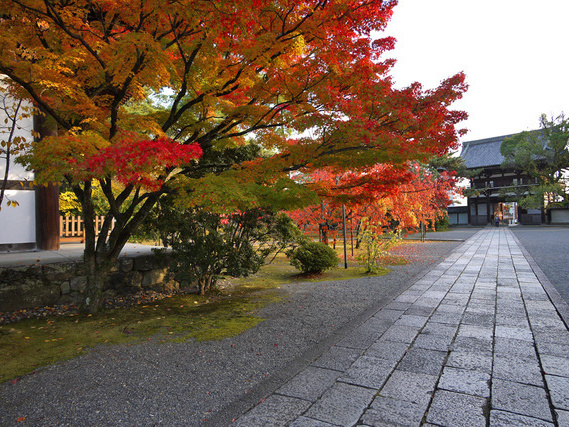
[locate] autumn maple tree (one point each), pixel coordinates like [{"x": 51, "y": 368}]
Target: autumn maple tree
[
  {"x": 387, "y": 201},
  {"x": 224, "y": 86}
]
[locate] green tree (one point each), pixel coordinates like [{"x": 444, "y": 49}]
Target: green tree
[
  {"x": 544, "y": 156},
  {"x": 448, "y": 163},
  {"x": 375, "y": 245}
]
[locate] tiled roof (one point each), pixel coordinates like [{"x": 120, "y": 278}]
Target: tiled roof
[{"x": 483, "y": 152}]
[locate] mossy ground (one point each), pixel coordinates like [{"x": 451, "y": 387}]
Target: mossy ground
[{"x": 30, "y": 344}]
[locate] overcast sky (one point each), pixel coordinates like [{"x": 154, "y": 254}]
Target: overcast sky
[{"x": 514, "y": 54}]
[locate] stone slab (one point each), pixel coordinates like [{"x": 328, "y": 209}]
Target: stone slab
[
  {"x": 434, "y": 328},
  {"x": 343, "y": 404},
  {"x": 368, "y": 372},
  {"x": 507, "y": 419},
  {"x": 521, "y": 399},
  {"x": 360, "y": 338},
  {"x": 444, "y": 410},
  {"x": 471, "y": 344},
  {"x": 405, "y": 334},
  {"x": 481, "y": 362},
  {"x": 309, "y": 384},
  {"x": 385, "y": 411},
  {"x": 274, "y": 411},
  {"x": 513, "y": 348},
  {"x": 521, "y": 370},
  {"x": 446, "y": 318},
  {"x": 420, "y": 310},
  {"x": 423, "y": 361},
  {"x": 433, "y": 342},
  {"x": 518, "y": 333},
  {"x": 465, "y": 381},
  {"x": 559, "y": 391},
  {"x": 478, "y": 319},
  {"x": 554, "y": 365},
  {"x": 553, "y": 349},
  {"x": 473, "y": 331},
  {"x": 562, "y": 417},
  {"x": 309, "y": 422},
  {"x": 410, "y": 387},
  {"x": 412, "y": 320},
  {"x": 390, "y": 351},
  {"x": 389, "y": 314},
  {"x": 337, "y": 358}
]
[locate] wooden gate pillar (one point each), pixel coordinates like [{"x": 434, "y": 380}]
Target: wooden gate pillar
[{"x": 47, "y": 197}]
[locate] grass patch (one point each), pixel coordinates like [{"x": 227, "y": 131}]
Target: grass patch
[
  {"x": 32, "y": 343},
  {"x": 280, "y": 271}
]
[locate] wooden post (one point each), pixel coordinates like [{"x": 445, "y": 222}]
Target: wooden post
[
  {"x": 47, "y": 197},
  {"x": 352, "y": 231},
  {"x": 47, "y": 214}
]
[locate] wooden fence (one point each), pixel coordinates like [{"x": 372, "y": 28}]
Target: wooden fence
[{"x": 72, "y": 227}]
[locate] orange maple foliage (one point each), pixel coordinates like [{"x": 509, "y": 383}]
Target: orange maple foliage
[{"x": 421, "y": 197}]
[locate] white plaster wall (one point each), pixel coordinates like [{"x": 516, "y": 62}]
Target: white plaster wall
[{"x": 18, "y": 224}]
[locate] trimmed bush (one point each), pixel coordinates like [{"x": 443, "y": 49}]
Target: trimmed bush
[{"x": 313, "y": 257}]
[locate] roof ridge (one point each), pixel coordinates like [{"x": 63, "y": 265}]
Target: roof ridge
[
  {"x": 495, "y": 138},
  {"x": 487, "y": 140}
]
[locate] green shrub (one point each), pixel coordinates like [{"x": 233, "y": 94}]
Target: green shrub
[
  {"x": 313, "y": 257},
  {"x": 442, "y": 223},
  {"x": 206, "y": 245}
]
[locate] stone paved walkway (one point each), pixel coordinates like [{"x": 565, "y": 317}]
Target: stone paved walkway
[{"x": 475, "y": 342}]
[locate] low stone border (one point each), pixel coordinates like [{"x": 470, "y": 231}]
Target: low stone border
[{"x": 64, "y": 283}]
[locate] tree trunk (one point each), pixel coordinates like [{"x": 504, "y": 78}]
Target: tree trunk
[
  {"x": 97, "y": 261},
  {"x": 47, "y": 219},
  {"x": 47, "y": 197},
  {"x": 102, "y": 253},
  {"x": 97, "y": 274},
  {"x": 204, "y": 283},
  {"x": 323, "y": 234}
]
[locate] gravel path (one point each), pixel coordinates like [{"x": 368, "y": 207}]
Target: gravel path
[{"x": 188, "y": 383}]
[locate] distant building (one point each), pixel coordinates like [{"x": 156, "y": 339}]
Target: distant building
[{"x": 493, "y": 184}]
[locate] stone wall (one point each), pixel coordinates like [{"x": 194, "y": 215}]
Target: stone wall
[{"x": 64, "y": 283}]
